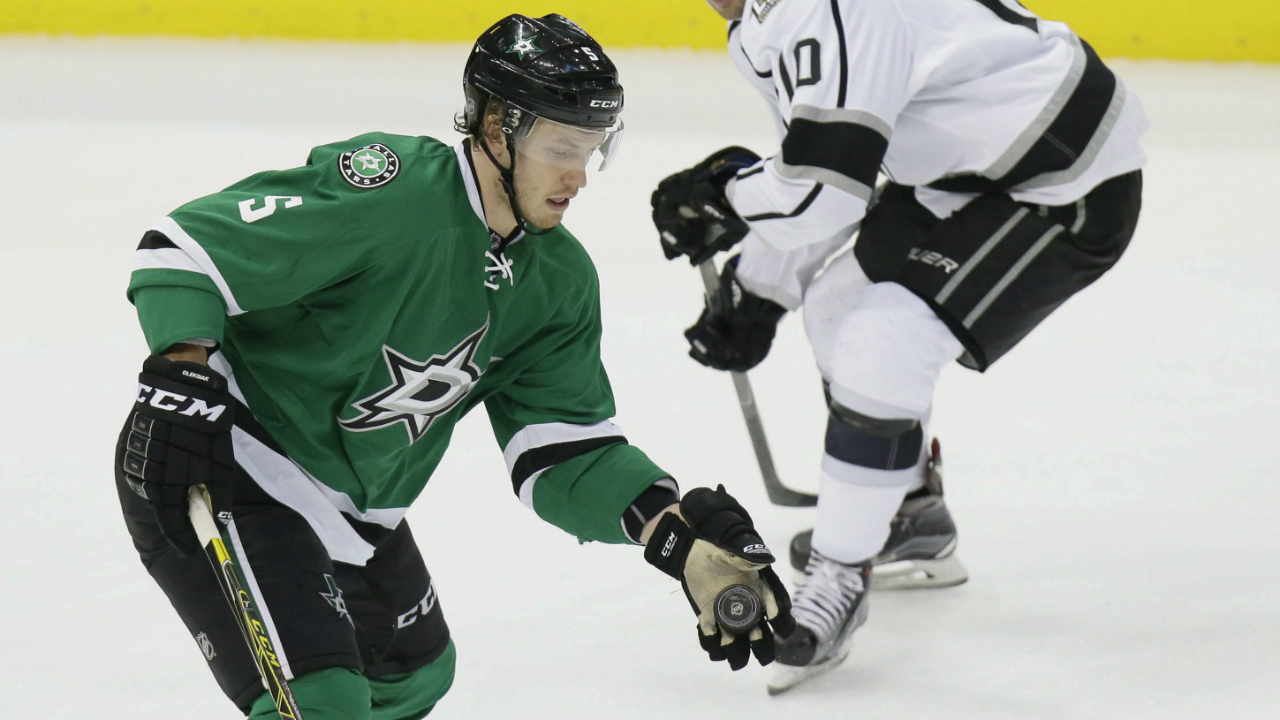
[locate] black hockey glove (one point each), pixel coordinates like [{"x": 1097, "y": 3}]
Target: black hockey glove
[
  {"x": 714, "y": 547},
  {"x": 736, "y": 327},
  {"x": 690, "y": 210},
  {"x": 179, "y": 436}
]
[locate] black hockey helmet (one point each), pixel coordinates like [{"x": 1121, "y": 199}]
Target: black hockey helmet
[
  {"x": 546, "y": 66},
  {"x": 549, "y": 72}
]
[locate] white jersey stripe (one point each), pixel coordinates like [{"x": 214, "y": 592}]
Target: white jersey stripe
[
  {"x": 386, "y": 517},
  {"x": 1091, "y": 150},
  {"x": 292, "y": 486},
  {"x": 1057, "y": 101},
  {"x": 170, "y": 229},
  {"x": 165, "y": 259},
  {"x": 473, "y": 190},
  {"x": 526, "y": 489},
  {"x": 856, "y": 117},
  {"x": 218, "y": 362},
  {"x": 822, "y": 175},
  {"x": 289, "y": 485}
]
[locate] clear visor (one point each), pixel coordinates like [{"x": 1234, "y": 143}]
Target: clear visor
[{"x": 568, "y": 147}]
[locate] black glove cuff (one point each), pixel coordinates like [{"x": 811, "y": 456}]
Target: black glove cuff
[
  {"x": 669, "y": 546},
  {"x": 188, "y": 373},
  {"x": 656, "y": 498}
]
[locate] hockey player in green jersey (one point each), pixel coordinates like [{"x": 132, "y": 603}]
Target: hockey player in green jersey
[{"x": 317, "y": 332}]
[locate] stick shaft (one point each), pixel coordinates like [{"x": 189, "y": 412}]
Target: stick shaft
[
  {"x": 778, "y": 493},
  {"x": 251, "y": 629}
]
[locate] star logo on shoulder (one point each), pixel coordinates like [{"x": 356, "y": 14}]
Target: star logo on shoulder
[
  {"x": 524, "y": 45},
  {"x": 420, "y": 391},
  {"x": 369, "y": 161},
  {"x": 371, "y": 166}
]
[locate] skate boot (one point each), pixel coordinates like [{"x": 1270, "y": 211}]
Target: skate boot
[
  {"x": 828, "y": 607},
  {"x": 920, "y": 551}
]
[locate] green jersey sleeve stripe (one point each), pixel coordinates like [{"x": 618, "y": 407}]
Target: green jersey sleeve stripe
[
  {"x": 541, "y": 435},
  {"x": 170, "y": 229},
  {"x": 542, "y": 458}
]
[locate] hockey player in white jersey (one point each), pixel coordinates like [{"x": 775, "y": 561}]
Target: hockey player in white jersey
[{"x": 1013, "y": 162}]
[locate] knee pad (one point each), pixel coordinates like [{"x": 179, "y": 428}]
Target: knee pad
[
  {"x": 874, "y": 443},
  {"x": 412, "y": 695},
  {"x": 888, "y": 353},
  {"x": 827, "y": 302}
]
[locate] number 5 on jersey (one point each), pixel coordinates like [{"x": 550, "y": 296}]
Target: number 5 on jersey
[{"x": 249, "y": 214}]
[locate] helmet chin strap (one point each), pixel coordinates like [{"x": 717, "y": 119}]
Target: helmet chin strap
[{"x": 508, "y": 176}]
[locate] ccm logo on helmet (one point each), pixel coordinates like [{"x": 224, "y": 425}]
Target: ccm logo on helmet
[
  {"x": 605, "y": 103},
  {"x": 181, "y": 404}
]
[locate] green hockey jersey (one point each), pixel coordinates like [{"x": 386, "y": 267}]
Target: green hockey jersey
[{"x": 361, "y": 307}]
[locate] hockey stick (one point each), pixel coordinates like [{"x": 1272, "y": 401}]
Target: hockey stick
[
  {"x": 779, "y": 494},
  {"x": 224, "y": 567}
]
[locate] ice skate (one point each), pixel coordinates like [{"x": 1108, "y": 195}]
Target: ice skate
[
  {"x": 828, "y": 607},
  {"x": 920, "y": 551}
]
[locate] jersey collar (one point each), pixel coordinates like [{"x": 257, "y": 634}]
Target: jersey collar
[{"x": 468, "y": 171}]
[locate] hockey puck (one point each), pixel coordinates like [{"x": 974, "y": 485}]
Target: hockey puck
[{"x": 738, "y": 609}]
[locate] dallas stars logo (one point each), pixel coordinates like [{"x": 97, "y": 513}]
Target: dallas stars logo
[
  {"x": 369, "y": 167},
  {"x": 524, "y": 45},
  {"x": 370, "y": 163},
  {"x": 335, "y": 599},
  {"x": 420, "y": 392}
]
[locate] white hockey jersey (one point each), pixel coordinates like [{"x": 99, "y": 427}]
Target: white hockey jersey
[{"x": 954, "y": 97}]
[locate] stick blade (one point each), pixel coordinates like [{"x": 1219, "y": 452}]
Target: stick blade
[{"x": 787, "y": 497}]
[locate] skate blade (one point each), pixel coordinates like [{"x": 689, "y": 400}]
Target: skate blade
[
  {"x": 785, "y": 677},
  {"x": 913, "y": 574}
]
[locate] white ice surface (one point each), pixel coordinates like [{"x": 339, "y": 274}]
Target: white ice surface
[{"x": 1111, "y": 478}]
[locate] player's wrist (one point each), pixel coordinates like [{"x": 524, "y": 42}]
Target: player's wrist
[
  {"x": 187, "y": 352},
  {"x": 652, "y": 525}
]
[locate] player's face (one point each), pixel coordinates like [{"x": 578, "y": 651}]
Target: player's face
[
  {"x": 728, "y": 9},
  {"x": 551, "y": 167}
]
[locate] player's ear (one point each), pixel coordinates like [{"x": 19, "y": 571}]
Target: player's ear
[{"x": 491, "y": 128}]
